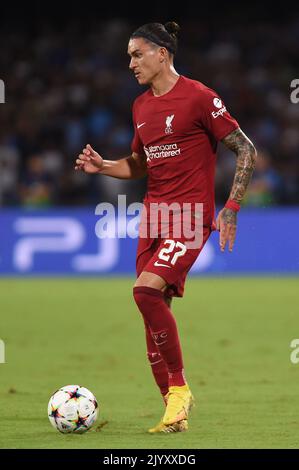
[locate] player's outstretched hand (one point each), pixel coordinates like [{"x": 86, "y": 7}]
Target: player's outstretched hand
[
  {"x": 227, "y": 225},
  {"x": 89, "y": 160}
]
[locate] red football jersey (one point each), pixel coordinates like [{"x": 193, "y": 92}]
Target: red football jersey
[{"x": 178, "y": 132}]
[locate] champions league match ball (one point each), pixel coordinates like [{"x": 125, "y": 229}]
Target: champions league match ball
[{"x": 73, "y": 409}]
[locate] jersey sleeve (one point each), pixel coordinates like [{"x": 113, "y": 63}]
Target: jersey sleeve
[
  {"x": 214, "y": 116},
  {"x": 136, "y": 144}
]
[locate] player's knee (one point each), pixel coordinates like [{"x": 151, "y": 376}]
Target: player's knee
[
  {"x": 148, "y": 279},
  {"x": 139, "y": 296},
  {"x": 147, "y": 298}
]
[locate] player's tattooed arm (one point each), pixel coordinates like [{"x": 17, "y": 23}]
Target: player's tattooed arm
[
  {"x": 246, "y": 154},
  {"x": 239, "y": 143}
]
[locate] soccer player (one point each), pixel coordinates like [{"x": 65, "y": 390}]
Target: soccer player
[{"x": 177, "y": 124}]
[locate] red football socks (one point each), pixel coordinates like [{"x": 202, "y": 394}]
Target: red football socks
[
  {"x": 163, "y": 331},
  {"x": 158, "y": 366}
]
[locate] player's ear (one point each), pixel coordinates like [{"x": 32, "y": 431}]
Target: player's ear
[{"x": 163, "y": 53}]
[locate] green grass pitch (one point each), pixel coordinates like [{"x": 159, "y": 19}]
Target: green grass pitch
[{"x": 235, "y": 335}]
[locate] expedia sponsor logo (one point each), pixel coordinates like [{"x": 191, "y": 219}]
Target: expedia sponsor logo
[
  {"x": 161, "y": 151},
  {"x": 221, "y": 111},
  {"x": 217, "y": 102}
]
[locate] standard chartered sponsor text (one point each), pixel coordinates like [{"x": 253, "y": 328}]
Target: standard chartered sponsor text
[{"x": 162, "y": 151}]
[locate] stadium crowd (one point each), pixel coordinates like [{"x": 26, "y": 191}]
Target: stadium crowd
[{"x": 65, "y": 89}]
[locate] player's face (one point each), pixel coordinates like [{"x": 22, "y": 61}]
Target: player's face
[{"x": 146, "y": 60}]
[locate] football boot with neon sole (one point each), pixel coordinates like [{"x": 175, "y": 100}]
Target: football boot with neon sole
[
  {"x": 179, "y": 403},
  {"x": 180, "y": 426}
]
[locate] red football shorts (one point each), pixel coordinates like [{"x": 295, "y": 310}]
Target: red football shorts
[{"x": 169, "y": 259}]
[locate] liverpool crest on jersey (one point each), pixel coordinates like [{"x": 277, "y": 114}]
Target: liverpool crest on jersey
[{"x": 168, "y": 129}]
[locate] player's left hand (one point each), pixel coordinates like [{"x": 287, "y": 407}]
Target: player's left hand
[{"x": 226, "y": 223}]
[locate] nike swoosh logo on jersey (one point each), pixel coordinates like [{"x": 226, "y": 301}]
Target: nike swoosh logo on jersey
[
  {"x": 140, "y": 125},
  {"x": 160, "y": 264}
]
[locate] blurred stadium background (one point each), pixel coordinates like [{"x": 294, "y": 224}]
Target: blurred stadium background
[{"x": 67, "y": 83}]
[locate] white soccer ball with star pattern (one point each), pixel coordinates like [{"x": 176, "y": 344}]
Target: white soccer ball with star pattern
[{"x": 73, "y": 409}]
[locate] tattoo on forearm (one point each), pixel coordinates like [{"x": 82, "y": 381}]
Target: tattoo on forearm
[{"x": 239, "y": 143}]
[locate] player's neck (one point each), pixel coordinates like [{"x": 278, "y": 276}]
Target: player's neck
[{"x": 164, "y": 82}]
